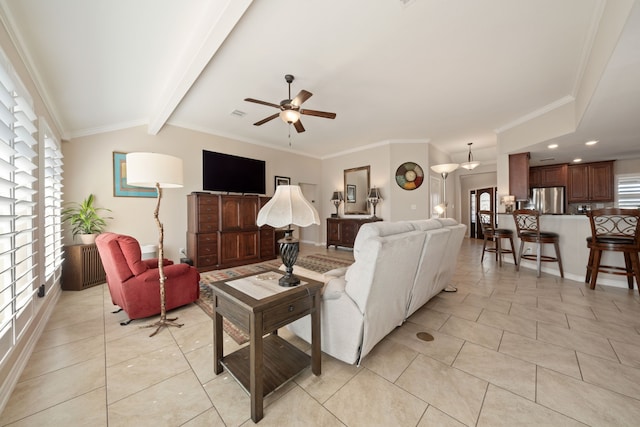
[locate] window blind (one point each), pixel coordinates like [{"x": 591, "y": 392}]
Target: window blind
[
  {"x": 18, "y": 178},
  {"x": 52, "y": 206},
  {"x": 629, "y": 191}
]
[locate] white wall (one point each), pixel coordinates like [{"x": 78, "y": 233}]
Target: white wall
[{"x": 89, "y": 169}]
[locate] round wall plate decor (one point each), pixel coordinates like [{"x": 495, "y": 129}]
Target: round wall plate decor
[{"x": 409, "y": 176}]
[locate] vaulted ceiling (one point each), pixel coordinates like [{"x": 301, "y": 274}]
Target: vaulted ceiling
[{"x": 448, "y": 72}]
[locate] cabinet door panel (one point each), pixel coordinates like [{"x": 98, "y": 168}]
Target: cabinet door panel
[
  {"x": 519, "y": 175},
  {"x": 578, "y": 184},
  {"x": 601, "y": 182}
]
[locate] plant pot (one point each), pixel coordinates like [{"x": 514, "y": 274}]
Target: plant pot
[{"x": 88, "y": 239}]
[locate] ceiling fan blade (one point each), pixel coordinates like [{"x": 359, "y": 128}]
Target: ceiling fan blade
[
  {"x": 301, "y": 97},
  {"x": 257, "y": 101},
  {"x": 316, "y": 113},
  {"x": 265, "y": 120},
  {"x": 298, "y": 126}
]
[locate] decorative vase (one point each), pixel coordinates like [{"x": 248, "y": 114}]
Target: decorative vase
[{"x": 88, "y": 239}]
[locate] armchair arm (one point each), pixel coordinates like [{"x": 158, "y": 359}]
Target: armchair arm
[
  {"x": 170, "y": 272},
  {"x": 153, "y": 262}
]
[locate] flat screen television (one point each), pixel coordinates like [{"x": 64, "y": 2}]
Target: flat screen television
[{"x": 232, "y": 174}]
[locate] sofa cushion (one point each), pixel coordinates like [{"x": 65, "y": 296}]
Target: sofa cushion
[
  {"x": 132, "y": 254},
  {"x": 426, "y": 224},
  {"x": 378, "y": 229}
]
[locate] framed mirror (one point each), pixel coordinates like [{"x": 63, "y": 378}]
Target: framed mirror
[{"x": 356, "y": 187}]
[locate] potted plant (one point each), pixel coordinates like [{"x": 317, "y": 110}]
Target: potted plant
[{"x": 85, "y": 219}]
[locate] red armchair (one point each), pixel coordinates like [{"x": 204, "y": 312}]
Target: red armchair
[{"x": 134, "y": 283}]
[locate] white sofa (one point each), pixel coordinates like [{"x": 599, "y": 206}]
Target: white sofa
[{"x": 398, "y": 267}]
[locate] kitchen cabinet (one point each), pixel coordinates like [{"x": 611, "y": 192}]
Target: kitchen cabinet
[
  {"x": 519, "y": 175},
  {"x": 548, "y": 176},
  {"x": 590, "y": 182}
]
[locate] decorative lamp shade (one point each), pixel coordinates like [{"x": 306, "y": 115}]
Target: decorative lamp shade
[
  {"x": 289, "y": 116},
  {"x": 374, "y": 193},
  {"x": 470, "y": 164},
  {"x": 149, "y": 169},
  {"x": 288, "y": 207},
  {"x": 337, "y": 196},
  {"x": 445, "y": 167}
]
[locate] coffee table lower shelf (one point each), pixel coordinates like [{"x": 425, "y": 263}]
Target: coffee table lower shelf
[{"x": 282, "y": 361}]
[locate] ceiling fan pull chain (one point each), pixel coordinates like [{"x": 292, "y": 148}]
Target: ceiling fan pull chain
[{"x": 289, "y": 134}]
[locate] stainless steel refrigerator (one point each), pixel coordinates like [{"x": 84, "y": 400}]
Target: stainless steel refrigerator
[{"x": 548, "y": 200}]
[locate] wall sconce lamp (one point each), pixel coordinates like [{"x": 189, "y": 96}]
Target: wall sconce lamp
[{"x": 336, "y": 199}]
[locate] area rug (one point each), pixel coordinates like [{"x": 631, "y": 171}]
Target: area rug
[{"x": 319, "y": 263}]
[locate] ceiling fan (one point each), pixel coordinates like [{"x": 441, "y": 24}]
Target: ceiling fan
[{"x": 290, "y": 110}]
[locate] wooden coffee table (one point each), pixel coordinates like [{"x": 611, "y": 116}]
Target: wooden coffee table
[{"x": 257, "y": 305}]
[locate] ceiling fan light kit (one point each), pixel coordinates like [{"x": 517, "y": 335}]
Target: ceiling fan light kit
[{"x": 290, "y": 110}]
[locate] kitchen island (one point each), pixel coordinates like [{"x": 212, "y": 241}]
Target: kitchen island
[{"x": 573, "y": 231}]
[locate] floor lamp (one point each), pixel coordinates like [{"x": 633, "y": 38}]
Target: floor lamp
[
  {"x": 159, "y": 171},
  {"x": 288, "y": 207},
  {"x": 444, "y": 170}
]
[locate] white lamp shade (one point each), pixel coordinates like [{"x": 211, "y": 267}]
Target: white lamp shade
[
  {"x": 288, "y": 207},
  {"x": 470, "y": 165},
  {"x": 289, "y": 116},
  {"x": 149, "y": 169},
  {"x": 445, "y": 167}
]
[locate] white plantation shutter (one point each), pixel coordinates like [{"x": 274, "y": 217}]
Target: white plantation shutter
[
  {"x": 629, "y": 191},
  {"x": 18, "y": 176},
  {"x": 52, "y": 207}
]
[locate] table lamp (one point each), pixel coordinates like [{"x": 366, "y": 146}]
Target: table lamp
[
  {"x": 374, "y": 198},
  {"x": 337, "y": 198},
  {"x": 286, "y": 208},
  {"x": 159, "y": 171}
]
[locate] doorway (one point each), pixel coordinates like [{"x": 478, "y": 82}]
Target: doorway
[
  {"x": 483, "y": 199},
  {"x": 309, "y": 234}
]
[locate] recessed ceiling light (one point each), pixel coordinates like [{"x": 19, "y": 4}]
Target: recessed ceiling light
[
  {"x": 594, "y": 142},
  {"x": 552, "y": 146},
  {"x": 578, "y": 160}
]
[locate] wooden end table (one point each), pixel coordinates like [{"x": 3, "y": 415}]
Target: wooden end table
[{"x": 268, "y": 361}]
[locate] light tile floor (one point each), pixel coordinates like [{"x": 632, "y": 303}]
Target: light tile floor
[{"x": 509, "y": 350}]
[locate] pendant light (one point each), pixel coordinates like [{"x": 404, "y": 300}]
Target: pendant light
[{"x": 470, "y": 164}]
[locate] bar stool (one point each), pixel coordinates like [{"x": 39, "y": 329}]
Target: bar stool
[
  {"x": 528, "y": 227},
  {"x": 617, "y": 230},
  {"x": 490, "y": 232}
]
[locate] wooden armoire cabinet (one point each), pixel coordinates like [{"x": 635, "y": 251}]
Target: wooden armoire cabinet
[{"x": 222, "y": 231}]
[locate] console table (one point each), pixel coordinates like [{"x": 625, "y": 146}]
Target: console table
[
  {"x": 259, "y": 306},
  {"x": 343, "y": 231}
]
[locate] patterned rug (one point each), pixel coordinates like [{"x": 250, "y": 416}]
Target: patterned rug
[{"x": 319, "y": 263}]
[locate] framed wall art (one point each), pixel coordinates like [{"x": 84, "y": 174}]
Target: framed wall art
[
  {"x": 120, "y": 186},
  {"x": 281, "y": 180},
  {"x": 351, "y": 193}
]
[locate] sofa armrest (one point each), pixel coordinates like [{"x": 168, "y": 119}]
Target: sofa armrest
[
  {"x": 170, "y": 271},
  {"x": 336, "y": 272},
  {"x": 334, "y": 288}
]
